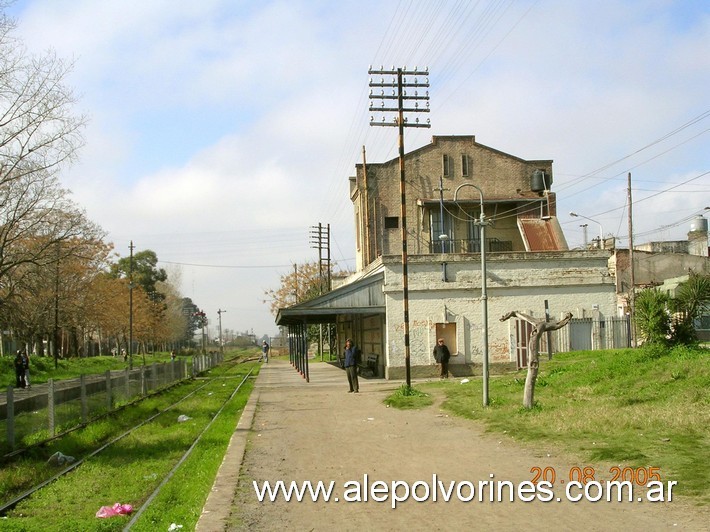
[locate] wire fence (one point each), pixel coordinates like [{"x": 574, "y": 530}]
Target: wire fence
[{"x": 32, "y": 416}]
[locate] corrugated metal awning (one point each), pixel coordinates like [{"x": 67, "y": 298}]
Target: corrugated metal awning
[
  {"x": 363, "y": 296},
  {"x": 542, "y": 234}
]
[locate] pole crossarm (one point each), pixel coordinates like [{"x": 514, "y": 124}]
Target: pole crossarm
[{"x": 399, "y": 83}]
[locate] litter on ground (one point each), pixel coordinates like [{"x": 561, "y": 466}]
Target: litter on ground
[
  {"x": 59, "y": 459},
  {"x": 116, "y": 509}
]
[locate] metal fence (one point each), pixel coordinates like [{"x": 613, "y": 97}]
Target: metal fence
[
  {"x": 32, "y": 416},
  {"x": 586, "y": 334}
]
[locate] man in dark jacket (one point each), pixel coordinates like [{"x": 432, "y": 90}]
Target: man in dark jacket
[
  {"x": 442, "y": 355},
  {"x": 350, "y": 363}
]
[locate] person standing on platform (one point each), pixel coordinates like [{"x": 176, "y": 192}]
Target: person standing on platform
[{"x": 350, "y": 363}]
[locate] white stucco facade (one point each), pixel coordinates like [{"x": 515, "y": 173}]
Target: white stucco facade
[{"x": 577, "y": 282}]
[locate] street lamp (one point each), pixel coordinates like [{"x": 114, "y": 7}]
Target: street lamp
[
  {"x": 601, "y": 231},
  {"x": 484, "y": 295}
]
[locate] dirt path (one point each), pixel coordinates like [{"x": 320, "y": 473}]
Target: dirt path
[{"x": 317, "y": 431}]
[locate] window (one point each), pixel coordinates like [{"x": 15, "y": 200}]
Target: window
[
  {"x": 391, "y": 222},
  {"x": 464, "y": 165},
  {"x": 439, "y": 245},
  {"x": 447, "y": 165}
]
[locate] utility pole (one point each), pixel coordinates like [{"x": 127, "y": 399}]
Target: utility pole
[
  {"x": 55, "y": 343},
  {"x": 632, "y": 281},
  {"x": 367, "y": 255},
  {"x": 221, "y": 340},
  {"x": 398, "y": 84},
  {"x": 320, "y": 236},
  {"x": 130, "y": 308}
]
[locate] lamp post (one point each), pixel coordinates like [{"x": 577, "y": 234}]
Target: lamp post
[
  {"x": 601, "y": 231},
  {"x": 484, "y": 295}
]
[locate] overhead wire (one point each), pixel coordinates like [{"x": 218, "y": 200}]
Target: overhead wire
[{"x": 449, "y": 40}]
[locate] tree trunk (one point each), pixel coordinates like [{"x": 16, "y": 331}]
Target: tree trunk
[
  {"x": 540, "y": 326},
  {"x": 533, "y": 367}
]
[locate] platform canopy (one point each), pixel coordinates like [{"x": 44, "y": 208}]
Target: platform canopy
[{"x": 363, "y": 296}]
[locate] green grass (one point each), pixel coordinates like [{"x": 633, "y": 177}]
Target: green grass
[
  {"x": 42, "y": 368},
  {"x": 409, "y": 397},
  {"x": 130, "y": 470},
  {"x": 645, "y": 407}
]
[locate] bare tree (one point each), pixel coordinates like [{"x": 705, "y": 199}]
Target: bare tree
[
  {"x": 540, "y": 326},
  {"x": 39, "y": 134}
]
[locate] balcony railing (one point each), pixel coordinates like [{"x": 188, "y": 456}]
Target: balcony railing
[{"x": 470, "y": 246}]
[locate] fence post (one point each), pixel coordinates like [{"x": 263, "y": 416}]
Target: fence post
[
  {"x": 50, "y": 405},
  {"x": 144, "y": 385},
  {"x": 128, "y": 385},
  {"x": 10, "y": 425},
  {"x": 154, "y": 375},
  {"x": 84, "y": 402},
  {"x": 597, "y": 336}
]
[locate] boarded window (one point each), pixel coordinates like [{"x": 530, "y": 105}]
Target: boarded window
[{"x": 464, "y": 165}]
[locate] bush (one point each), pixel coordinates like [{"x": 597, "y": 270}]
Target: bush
[{"x": 652, "y": 316}]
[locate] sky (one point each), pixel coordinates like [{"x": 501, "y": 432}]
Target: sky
[{"x": 221, "y": 131}]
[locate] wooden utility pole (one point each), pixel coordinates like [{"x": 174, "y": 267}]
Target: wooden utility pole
[
  {"x": 130, "y": 308},
  {"x": 399, "y": 83},
  {"x": 632, "y": 281},
  {"x": 367, "y": 256}
]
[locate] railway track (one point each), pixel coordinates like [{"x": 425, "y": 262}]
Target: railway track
[{"x": 224, "y": 383}]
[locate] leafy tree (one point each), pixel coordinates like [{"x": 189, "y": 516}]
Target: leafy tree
[
  {"x": 662, "y": 319},
  {"x": 652, "y": 316},
  {"x": 143, "y": 269},
  {"x": 193, "y": 320},
  {"x": 302, "y": 284},
  {"x": 692, "y": 297}
]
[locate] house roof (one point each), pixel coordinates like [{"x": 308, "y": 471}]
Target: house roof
[{"x": 363, "y": 296}]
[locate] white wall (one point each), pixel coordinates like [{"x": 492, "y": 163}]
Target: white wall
[{"x": 576, "y": 282}]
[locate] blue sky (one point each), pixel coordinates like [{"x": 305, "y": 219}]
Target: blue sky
[{"x": 221, "y": 131}]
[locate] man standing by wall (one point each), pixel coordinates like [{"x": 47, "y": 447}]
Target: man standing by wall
[
  {"x": 442, "y": 355},
  {"x": 351, "y": 356}
]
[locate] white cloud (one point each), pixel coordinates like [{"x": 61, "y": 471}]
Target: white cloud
[{"x": 221, "y": 132}]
